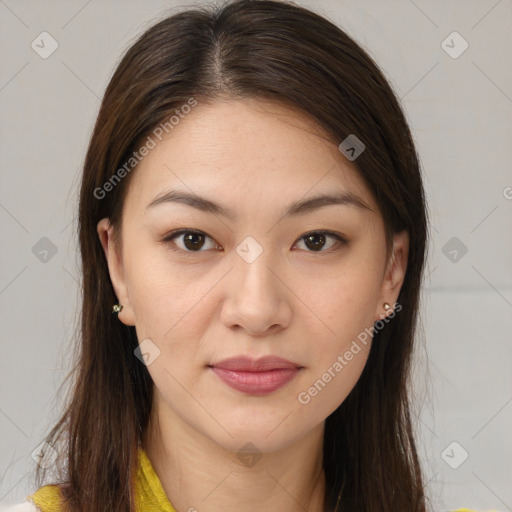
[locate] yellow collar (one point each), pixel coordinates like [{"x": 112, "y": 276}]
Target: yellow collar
[{"x": 149, "y": 493}]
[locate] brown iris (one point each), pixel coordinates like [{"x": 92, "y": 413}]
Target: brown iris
[
  {"x": 190, "y": 240},
  {"x": 317, "y": 241}
]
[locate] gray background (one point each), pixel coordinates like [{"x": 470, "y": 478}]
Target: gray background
[{"x": 460, "y": 113}]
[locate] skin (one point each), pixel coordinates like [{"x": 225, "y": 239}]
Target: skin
[{"x": 256, "y": 158}]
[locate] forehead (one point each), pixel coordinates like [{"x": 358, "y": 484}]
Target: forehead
[{"x": 249, "y": 148}]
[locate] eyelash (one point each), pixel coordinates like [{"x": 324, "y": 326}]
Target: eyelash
[{"x": 169, "y": 237}]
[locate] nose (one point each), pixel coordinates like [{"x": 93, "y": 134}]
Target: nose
[{"x": 257, "y": 296}]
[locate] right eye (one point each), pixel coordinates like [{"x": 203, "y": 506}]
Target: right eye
[{"x": 193, "y": 241}]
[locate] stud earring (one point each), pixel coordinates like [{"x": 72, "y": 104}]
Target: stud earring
[
  {"x": 386, "y": 306},
  {"x": 117, "y": 308}
]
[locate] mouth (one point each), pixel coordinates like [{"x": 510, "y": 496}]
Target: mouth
[{"x": 256, "y": 377}]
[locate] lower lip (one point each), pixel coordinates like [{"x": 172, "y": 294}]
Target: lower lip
[{"x": 256, "y": 383}]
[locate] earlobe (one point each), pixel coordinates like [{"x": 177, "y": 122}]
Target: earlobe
[
  {"x": 395, "y": 273},
  {"x": 116, "y": 270}
]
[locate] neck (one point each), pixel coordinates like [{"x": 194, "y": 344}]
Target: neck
[{"x": 199, "y": 474}]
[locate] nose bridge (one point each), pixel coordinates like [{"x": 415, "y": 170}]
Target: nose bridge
[
  {"x": 255, "y": 295},
  {"x": 252, "y": 264}
]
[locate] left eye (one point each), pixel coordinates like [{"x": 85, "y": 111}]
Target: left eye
[
  {"x": 317, "y": 238},
  {"x": 194, "y": 240}
]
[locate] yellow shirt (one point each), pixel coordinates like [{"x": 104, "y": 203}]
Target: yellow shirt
[{"x": 149, "y": 493}]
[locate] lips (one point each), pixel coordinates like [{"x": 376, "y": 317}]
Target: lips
[
  {"x": 256, "y": 377},
  {"x": 246, "y": 364}
]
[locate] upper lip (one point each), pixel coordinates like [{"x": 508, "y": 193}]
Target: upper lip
[{"x": 244, "y": 363}]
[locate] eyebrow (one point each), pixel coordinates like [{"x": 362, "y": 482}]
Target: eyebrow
[{"x": 301, "y": 207}]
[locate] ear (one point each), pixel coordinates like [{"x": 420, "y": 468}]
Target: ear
[
  {"x": 116, "y": 270},
  {"x": 394, "y": 275}
]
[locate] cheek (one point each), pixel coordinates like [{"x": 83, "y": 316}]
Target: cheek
[
  {"x": 342, "y": 304},
  {"x": 173, "y": 307},
  {"x": 334, "y": 376},
  {"x": 337, "y": 368},
  {"x": 164, "y": 297},
  {"x": 344, "y": 308}
]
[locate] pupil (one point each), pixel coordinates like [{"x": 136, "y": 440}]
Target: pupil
[
  {"x": 313, "y": 237},
  {"x": 190, "y": 237}
]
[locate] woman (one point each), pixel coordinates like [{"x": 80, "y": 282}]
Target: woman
[{"x": 253, "y": 233}]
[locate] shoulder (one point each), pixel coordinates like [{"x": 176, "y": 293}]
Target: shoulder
[
  {"x": 26, "y": 506},
  {"x": 46, "y": 499},
  {"x": 470, "y": 510}
]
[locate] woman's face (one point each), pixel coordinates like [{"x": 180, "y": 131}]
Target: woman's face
[{"x": 251, "y": 282}]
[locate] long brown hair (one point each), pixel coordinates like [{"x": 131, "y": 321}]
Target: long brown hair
[{"x": 260, "y": 49}]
